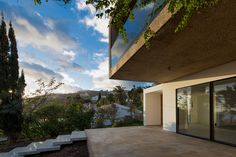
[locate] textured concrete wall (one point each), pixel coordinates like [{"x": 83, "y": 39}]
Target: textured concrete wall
[
  {"x": 207, "y": 41},
  {"x": 169, "y": 92}
]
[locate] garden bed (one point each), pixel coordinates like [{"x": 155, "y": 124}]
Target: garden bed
[
  {"x": 77, "y": 149},
  {"x": 6, "y": 147}
]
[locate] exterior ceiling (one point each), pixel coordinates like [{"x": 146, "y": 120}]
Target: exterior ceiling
[{"x": 209, "y": 40}]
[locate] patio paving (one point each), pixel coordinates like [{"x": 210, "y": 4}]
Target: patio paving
[{"x": 151, "y": 142}]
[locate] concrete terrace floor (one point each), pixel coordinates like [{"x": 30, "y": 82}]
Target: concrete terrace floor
[{"x": 151, "y": 142}]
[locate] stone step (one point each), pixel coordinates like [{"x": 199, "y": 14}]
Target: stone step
[
  {"x": 30, "y": 149},
  {"x": 62, "y": 139},
  {"x": 5, "y": 154},
  {"x": 47, "y": 146},
  {"x": 14, "y": 152},
  {"x": 78, "y": 136},
  {"x": 9, "y": 154}
]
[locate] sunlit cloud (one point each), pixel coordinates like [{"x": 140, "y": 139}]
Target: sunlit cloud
[
  {"x": 81, "y": 5},
  {"x": 35, "y": 72},
  {"x": 51, "y": 41},
  {"x": 101, "y": 80},
  {"x": 71, "y": 54},
  {"x": 100, "y": 25}
]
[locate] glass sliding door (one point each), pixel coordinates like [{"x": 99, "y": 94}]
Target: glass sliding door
[
  {"x": 225, "y": 111},
  {"x": 193, "y": 110}
]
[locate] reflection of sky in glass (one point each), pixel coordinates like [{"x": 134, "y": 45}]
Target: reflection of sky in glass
[{"x": 133, "y": 28}]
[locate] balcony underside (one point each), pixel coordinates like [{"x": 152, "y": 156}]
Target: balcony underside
[{"x": 209, "y": 40}]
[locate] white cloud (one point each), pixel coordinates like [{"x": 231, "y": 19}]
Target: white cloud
[
  {"x": 98, "y": 57},
  {"x": 49, "y": 23},
  {"x": 36, "y": 69},
  {"x": 81, "y": 5},
  {"x": 27, "y": 34},
  {"x": 71, "y": 54},
  {"x": 53, "y": 46},
  {"x": 33, "y": 72},
  {"x": 100, "y": 77},
  {"x": 101, "y": 81},
  {"x": 98, "y": 54},
  {"x": 100, "y": 25},
  {"x": 65, "y": 88},
  {"x": 149, "y": 6},
  {"x": 38, "y": 14},
  {"x": 32, "y": 87},
  {"x": 69, "y": 85},
  {"x": 72, "y": 66},
  {"x": 105, "y": 40},
  {"x": 31, "y": 59},
  {"x": 66, "y": 78}
]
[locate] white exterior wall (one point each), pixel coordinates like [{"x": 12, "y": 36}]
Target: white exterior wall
[
  {"x": 169, "y": 93},
  {"x": 153, "y": 109}
]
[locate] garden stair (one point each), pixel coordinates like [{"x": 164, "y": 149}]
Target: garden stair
[{"x": 46, "y": 146}]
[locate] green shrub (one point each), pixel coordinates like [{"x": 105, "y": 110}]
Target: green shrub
[
  {"x": 105, "y": 113},
  {"x": 1, "y": 133},
  {"x": 45, "y": 121},
  {"x": 77, "y": 117},
  {"x": 100, "y": 117},
  {"x": 11, "y": 119},
  {"x": 50, "y": 119},
  {"x": 31, "y": 128},
  {"x": 53, "y": 119},
  {"x": 128, "y": 122}
]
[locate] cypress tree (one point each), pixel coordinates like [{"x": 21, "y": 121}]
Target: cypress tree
[
  {"x": 13, "y": 61},
  {"x": 4, "y": 62},
  {"x": 11, "y": 85},
  {"x": 99, "y": 96},
  {"x": 21, "y": 84}
]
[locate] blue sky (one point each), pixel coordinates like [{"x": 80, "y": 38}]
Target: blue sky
[{"x": 67, "y": 42}]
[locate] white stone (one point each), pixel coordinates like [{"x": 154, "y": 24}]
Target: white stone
[
  {"x": 47, "y": 146},
  {"x": 9, "y": 154},
  {"x": 78, "y": 136},
  {"x": 29, "y": 150},
  {"x": 14, "y": 152},
  {"x": 62, "y": 139}
]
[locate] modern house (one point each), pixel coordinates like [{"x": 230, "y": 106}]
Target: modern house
[{"x": 194, "y": 69}]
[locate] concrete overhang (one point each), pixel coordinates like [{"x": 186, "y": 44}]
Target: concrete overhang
[{"x": 207, "y": 41}]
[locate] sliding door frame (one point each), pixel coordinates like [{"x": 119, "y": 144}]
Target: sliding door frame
[
  {"x": 211, "y": 114},
  {"x": 177, "y": 113}
]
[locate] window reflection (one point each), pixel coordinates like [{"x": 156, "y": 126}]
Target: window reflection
[
  {"x": 225, "y": 110},
  {"x": 193, "y": 107},
  {"x": 134, "y": 28}
]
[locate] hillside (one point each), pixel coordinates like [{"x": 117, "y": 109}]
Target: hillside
[{"x": 83, "y": 96}]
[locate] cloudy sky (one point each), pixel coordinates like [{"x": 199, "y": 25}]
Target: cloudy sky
[{"x": 65, "y": 42}]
